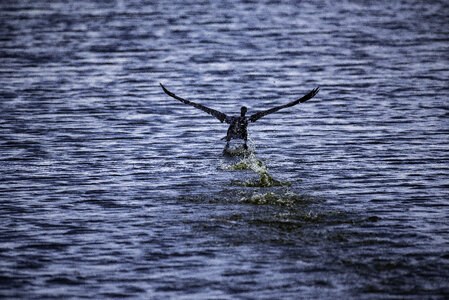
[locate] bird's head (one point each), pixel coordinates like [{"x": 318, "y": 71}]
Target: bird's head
[{"x": 243, "y": 110}]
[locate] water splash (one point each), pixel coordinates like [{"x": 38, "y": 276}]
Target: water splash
[
  {"x": 286, "y": 198},
  {"x": 252, "y": 163},
  {"x": 238, "y": 151}
]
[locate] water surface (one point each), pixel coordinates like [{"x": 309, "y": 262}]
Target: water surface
[{"x": 109, "y": 188}]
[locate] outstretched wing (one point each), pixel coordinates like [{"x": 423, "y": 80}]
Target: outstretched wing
[
  {"x": 219, "y": 115},
  {"x": 260, "y": 114}
]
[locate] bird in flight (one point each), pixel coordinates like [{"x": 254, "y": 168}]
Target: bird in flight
[{"x": 238, "y": 124}]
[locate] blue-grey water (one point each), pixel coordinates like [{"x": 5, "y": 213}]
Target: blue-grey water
[{"x": 111, "y": 189}]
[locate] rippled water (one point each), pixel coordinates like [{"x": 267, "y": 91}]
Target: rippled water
[{"x": 109, "y": 188}]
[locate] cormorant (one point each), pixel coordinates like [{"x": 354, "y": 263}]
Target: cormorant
[{"x": 237, "y": 124}]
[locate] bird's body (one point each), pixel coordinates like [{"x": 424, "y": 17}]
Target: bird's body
[
  {"x": 237, "y": 129},
  {"x": 238, "y": 124}
]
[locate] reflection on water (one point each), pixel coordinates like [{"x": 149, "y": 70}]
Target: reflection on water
[{"x": 108, "y": 188}]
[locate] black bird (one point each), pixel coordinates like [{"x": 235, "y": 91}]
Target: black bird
[{"x": 237, "y": 124}]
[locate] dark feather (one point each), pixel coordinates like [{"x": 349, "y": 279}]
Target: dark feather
[
  {"x": 219, "y": 115},
  {"x": 257, "y": 116}
]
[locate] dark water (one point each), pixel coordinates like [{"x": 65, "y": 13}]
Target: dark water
[{"x": 109, "y": 188}]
